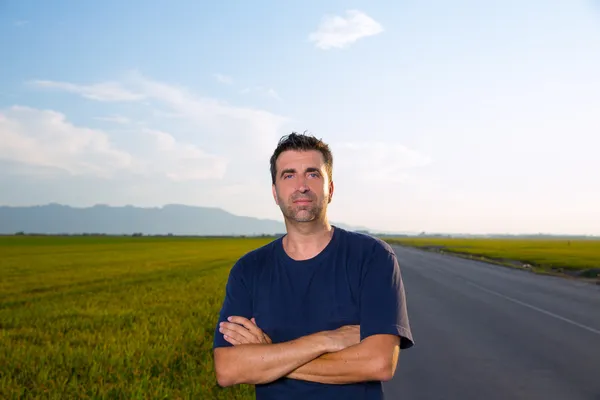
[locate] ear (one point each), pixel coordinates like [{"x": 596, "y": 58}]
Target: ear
[
  {"x": 331, "y": 187},
  {"x": 274, "y": 194}
]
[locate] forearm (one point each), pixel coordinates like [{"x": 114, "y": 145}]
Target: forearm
[
  {"x": 351, "y": 365},
  {"x": 264, "y": 363}
]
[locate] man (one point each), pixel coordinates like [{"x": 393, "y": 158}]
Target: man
[{"x": 319, "y": 313}]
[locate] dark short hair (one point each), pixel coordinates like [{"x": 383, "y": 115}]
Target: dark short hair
[{"x": 302, "y": 142}]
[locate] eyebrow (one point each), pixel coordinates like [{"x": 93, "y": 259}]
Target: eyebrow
[{"x": 292, "y": 170}]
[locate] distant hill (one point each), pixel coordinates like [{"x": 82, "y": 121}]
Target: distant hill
[{"x": 128, "y": 220}]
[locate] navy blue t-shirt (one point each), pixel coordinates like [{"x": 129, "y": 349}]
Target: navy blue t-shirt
[{"x": 355, "y": 280}]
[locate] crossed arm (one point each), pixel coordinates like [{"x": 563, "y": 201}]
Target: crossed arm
[
  {"x": 334, "y": 357},
  {"x": 373, "y": 359}
]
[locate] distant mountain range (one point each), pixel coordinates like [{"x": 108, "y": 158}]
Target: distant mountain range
[
  {"x": 175, "y": 219},
  {"x": 128, "y": 220}
]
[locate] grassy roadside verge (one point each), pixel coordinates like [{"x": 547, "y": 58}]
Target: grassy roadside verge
[{"x": 560, "y": 257}]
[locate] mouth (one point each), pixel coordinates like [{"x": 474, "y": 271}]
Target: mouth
[{"x": 303, "y": 201}]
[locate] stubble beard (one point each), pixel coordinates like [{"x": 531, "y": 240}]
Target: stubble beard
[{"x": 302, "y": 212}]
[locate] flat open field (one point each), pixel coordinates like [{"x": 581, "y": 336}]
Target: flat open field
[
  {"x": 544, "y": 255},
  {"x": 113, "y": 317}
]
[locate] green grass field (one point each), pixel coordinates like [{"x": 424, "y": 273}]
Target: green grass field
[
  {"x": 113, "y": 318},
  {"x": 543, "y": 254}
]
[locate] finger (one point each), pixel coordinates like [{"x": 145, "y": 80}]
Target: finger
[
  {"x": 231, "y": 340},
  {"x": 250, "y": 325},
  {"x": 234, "y": 336},
  {"x": 246, "y": 323},
  {"x": 237, "y": 332},
  {"x": 267, "y": 338}
]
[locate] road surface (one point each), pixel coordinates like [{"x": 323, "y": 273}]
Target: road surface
[{"x": 488, "y": 332}]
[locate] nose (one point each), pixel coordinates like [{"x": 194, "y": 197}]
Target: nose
[{"x": 302, "y": 186}]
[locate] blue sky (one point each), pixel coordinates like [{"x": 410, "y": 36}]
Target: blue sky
[{"x": 477, "y": 117}]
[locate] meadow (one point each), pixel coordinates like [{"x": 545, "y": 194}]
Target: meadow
[
  {"x": 113, "y": 317},
  {"x": 574, "y": 257}
]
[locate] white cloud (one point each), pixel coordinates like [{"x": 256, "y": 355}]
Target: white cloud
[
  {"x": 46, "y": 139},
  {"x": 117, "y": 119},
  {"x": 227, "y": 80},
  {"x": 236, "y": 130},
  {"x": 184, "y": 162},
  {"x": 378, "y": 161},
  {"x": 239, "y": 129},
  {"x": 43, "y": 138},
  {"x": 273, "y": 93},
  {"x": 107, "y": 91},
  {"x": 340, "y": 32},
  {"x": 268, "y": 92}
]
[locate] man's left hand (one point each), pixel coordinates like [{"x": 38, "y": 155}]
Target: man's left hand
[{"x": 241, "y": 330}]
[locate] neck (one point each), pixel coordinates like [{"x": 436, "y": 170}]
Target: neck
[{"x": 306, "y": 239}]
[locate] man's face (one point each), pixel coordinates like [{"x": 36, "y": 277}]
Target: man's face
[{"x": 302, "y": 188}]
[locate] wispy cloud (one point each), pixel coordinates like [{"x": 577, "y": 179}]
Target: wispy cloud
[
  {"x": 107, "y": 91},
  {"x": 44, "y": 138},
  {"x": 268, "y": 92},
  {"x": 340, "y": 32},
  {"x": 217, "y": 123},
  {"x": 20, "y": 23},
  {"x": 117, "y": 119},
  {"x": 220, "y": 122},
  {"x": 182, "y": 161},
  {"x": 225, "y": 79}
]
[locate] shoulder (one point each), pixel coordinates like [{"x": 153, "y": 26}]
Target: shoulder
[
  {"x": 369, "y": 246},
  {"x": 369, "y": 256},
  {"x": 252, "y": 260}
]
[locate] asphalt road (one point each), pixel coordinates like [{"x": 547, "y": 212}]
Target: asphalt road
[{"x": 488, "y": 332}]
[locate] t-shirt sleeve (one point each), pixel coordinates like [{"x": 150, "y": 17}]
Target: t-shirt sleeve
[
  {"x": 382, "y": 298},
  {"x": 237, "y": 302}
]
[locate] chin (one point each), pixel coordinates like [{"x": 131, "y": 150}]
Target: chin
[{"x": 304, "y": 218}]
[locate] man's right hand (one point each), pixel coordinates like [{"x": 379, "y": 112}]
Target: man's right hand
[{"x": 345, "y": 336}]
